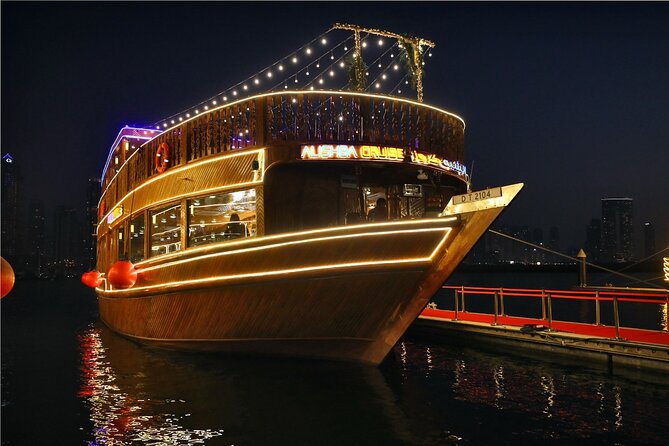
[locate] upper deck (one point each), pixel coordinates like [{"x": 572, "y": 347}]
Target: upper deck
[{"x": 280, "y": 123}]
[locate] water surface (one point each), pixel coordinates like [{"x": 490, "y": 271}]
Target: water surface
[{"x": 67, "y": 379}]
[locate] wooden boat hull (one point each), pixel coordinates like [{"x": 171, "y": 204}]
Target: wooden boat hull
[{"x": 344, "y": 293}]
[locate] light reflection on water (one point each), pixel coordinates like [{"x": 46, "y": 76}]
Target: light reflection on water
[
  {"x": 120, "y": 418},
  {"x": 67, "y": 379},
  {"x": 526, "y": 401},
  {"x": 425, "y": 393}
]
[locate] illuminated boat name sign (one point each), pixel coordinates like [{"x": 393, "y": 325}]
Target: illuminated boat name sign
[
  {"x": 114, "y": 214},
  {"x": 344, "y": 151},
  {"x": 381, "y": 153},
  {"x": 432, "y": 160}
]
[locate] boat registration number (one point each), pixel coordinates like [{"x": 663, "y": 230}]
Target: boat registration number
[{"x": 478, "y": 195}]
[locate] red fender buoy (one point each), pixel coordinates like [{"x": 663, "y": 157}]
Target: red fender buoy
[
  {"x": 122, "y": 274},
  {"x": 92, "y": 279},
  {"x": 8, "y": 278}
]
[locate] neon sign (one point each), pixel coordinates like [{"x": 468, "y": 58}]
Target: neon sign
[
  {"x": 114, "y": 214},
  {"x": 429, "y": 159},
  {"x": 380, "y": 153},
  {"x": 345, "y": 151}
]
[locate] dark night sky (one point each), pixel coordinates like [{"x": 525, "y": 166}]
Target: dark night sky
[{"x": 570, "y": 98}]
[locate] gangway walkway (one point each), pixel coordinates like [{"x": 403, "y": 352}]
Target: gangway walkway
[{"x": 636, "y": 346}]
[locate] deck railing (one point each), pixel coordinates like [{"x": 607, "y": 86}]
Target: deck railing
[
  {"x": 500, "y": 299},
  {"x": 280, "y": 118}
]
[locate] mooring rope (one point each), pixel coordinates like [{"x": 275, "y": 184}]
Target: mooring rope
[{"x": 577, "y": 260}]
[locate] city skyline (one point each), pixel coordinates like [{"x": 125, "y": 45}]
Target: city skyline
[{"x": 568, "y": 98}]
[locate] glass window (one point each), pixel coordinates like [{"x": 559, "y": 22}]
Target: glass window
[
  {"x": 165, "y": 230},
  {"x": 221, "y": 217},
  {"x": 137, "y": 238},
  {"x": 120, "y": 239}
]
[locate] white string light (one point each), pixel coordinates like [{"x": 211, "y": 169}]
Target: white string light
[{"x": 322, "y": 77}]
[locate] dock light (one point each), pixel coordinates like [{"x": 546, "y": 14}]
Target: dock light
[
  {"x": 294, "y": 59},
  {"x": 324, "y": 41},
  {"x": 197, "y": 111},
  {"x": 225, "y": 98},
  {"x": 364, "y": 44},
  {"x": 256, "y": 81},
  {"x": 206, "y": 107},
  {"x": 188, "y": 115},
  {"x": 234, "y": 92},
  {"x": 122, "y": 274},
  {"x": 214, "y": 102},
  {"x": 280, "y": 67},
  {"x": 245, "y": 87},
  {"x": 269, "y": 74},
  {"x": 308, "y": 50}
]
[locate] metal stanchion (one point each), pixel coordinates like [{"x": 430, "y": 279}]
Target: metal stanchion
[
  {"x": 598, "y": 311},
  {"x": 456, "y": 304},
  {"x": 543, "y": 304},
  {"x": 501, "y": 301},
  {"x": 495, "y": 297},
  {"x": 550, "y": 311},
  {"x": 462, "y": 296},
  {"x": 616, "y": 316}
]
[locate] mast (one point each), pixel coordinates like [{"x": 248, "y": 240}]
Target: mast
[{"x": 411, "y": 43}]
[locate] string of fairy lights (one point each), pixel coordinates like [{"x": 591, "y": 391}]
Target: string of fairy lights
[{"x": 323, "y": 63}]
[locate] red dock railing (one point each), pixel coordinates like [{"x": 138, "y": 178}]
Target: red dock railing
[{"x": 609, "y": 300}]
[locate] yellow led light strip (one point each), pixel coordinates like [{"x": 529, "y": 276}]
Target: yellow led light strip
[
  {"x": 306, "y": 92},
  {"x": 286, "y": 271},
  {"x": 280, "y": 245},
  {"x": 249, "y": 240},
  {"x": 196, "y": 164}
]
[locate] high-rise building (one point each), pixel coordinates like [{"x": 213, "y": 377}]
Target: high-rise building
[
  {"x": 538, "y": 255},
  {"x": 11, "y": 216},
  {"x": 648, "y": 239},
  {"x": 593, "y": 238},
  {"x": 68, "y": 248},
  {"x": 36, "y": 258},
  {"x": 617, "y": 230},
  {"x": 92, "y": 198}
]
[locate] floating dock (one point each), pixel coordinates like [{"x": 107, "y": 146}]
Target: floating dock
[{"x": 614, "y": 345}]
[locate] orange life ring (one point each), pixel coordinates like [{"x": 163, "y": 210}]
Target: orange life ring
[{"x": 162, "y": 157}]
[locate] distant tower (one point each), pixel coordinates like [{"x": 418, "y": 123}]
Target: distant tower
[
  {"x": 11, "y": 217},
  {"x": 593, "y": 237},
  {"x": 538, "y": 239},
  {"x": 648, "y": 239},
  {"x": 68, "y": 244},
  {"x": 554, "y": 241},
  {"x": 616, "y": 229},
  {"x": 36, "y": 259},
  {"x": 92, "y": 198}
]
